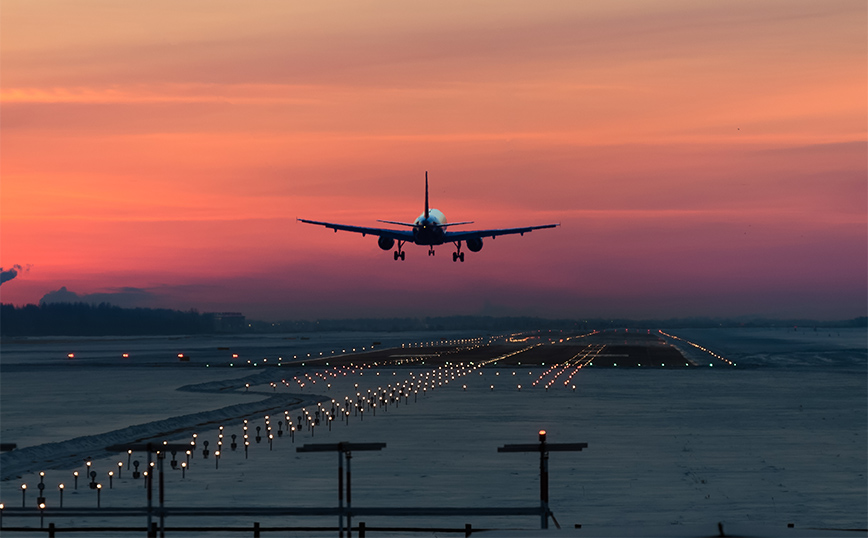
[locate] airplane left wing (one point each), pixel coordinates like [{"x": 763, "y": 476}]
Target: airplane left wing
[
  {"x": 398, "y": 235},
  {"x": 479, "y": 234}
]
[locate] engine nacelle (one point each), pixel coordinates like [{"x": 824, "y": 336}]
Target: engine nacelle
[
  {"x": 386, "y": 243},
  {"x": 474, "y": 244}
]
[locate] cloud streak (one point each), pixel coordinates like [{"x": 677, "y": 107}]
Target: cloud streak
[{"x": 165, "y": 93}]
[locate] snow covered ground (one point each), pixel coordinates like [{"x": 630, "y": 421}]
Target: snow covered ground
[{"x": 778, "y": 439}]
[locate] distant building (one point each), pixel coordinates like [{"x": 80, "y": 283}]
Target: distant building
[{"x": 229, "y": 322}]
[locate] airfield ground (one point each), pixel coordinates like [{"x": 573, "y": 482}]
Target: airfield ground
[{"x": 777, "y": 441}]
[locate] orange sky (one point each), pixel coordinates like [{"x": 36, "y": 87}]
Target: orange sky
[{"x": 702, "y": 158}]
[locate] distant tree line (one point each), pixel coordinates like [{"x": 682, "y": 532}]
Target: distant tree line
[
  {"x": 448, "y": 323},
  {"x": 84, "y": 319},
  {"x": 505, "y": 324}
]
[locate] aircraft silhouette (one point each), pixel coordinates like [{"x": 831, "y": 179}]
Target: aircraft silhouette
[{"x": 430, "y": 229}]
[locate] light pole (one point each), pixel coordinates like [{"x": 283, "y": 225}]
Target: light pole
[{"x": 544, "y": 448}]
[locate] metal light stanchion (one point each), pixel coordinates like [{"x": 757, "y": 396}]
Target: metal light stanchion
[
  {"x": 544, "y": 448},
  {"x": 40, "y": 499},
  {"x": 149, "y": 481},
  {"x": 341, "y": 494},
  {"x": 161, "y": 458},
  {"x": 344, "y": 451},
  {"x": 160, "y": 450}
]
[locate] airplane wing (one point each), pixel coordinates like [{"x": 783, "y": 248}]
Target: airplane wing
[
  {"x": 479, "y": 234},
  {"x": 398, "y": 235}
]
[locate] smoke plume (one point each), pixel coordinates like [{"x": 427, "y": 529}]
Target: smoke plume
[{"x": 8, "y": 274}]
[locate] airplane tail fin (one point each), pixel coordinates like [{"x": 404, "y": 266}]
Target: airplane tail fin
[{"x": 426, "y": 194}]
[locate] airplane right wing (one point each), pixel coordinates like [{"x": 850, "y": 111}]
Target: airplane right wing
[
  {"x": 479, "y": 234},
  {"x": 398, "y": 235}
]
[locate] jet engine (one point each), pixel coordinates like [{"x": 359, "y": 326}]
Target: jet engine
[
  {"x": 474, "y": 244},
  {"x": 386, "y": 243}
]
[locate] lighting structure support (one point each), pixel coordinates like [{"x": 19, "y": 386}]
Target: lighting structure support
[
  {"x": 160, "y": 450},
  {"x": 340, "y": 493},
  {"x": 544, "y": 448},
  {"x": 345, "y": 453}
]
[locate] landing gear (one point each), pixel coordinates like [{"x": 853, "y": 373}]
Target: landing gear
[
  {"x": 431, "y": 251},
  {"x": 458, "y": 255},
  {"x": 400, "y": 252}
]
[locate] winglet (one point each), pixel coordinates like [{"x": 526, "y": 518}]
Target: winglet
[{"x": 426, "y": 194}]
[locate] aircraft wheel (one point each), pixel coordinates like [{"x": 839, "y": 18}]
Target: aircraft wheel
[
  {"x": 402, "y": 256},
  {"x": 455, "y": 256},
  {"x": 396, "y": 255},
  {"x": 461, "y": 257}
]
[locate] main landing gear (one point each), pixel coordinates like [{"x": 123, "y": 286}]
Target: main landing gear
[
  {"x": 458, "y": 255},
  {"x": 400, "y": 252},
  {"x": 430, "y": 251}
]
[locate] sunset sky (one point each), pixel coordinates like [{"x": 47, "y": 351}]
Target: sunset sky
[{"x": 702, "y": 158}]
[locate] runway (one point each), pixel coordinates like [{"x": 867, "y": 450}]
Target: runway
[{"x": 602, "y": 349}]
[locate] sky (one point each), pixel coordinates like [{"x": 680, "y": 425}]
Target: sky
[{"x": 702, "y": 158}]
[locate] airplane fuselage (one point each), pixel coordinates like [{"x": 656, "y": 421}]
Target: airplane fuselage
[{"x": 430, "y": 230}]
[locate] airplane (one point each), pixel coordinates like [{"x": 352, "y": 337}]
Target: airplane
[{"x": 430, "y": 229}]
